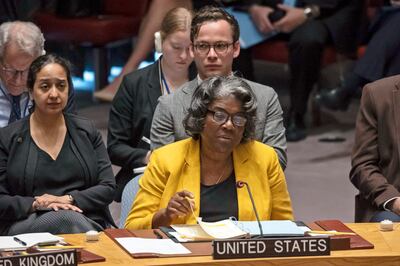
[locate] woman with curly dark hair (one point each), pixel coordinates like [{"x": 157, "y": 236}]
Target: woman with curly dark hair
[{"x": 197, "y": 177}]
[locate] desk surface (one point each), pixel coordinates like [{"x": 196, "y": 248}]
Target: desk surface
[{"x": 386, "y": 252}]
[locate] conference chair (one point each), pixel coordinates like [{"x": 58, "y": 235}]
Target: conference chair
[
  {"x": 119, "y": 22},
  {"x": 128, "y": 196}
]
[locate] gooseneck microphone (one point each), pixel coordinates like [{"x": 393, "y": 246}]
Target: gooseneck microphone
[{"x": 241, "y": 184}]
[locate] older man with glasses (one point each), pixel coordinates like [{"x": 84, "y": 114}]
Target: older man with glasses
[
  {"x": 215, "y": 43},
  {"x": 20, "y": 44}
]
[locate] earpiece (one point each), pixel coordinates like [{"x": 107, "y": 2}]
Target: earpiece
[{"x": 158, "y": 42}]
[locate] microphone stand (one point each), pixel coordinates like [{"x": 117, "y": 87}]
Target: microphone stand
[{"x": 240, "y": 184}]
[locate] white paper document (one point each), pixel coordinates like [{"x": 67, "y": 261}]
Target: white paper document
[
  {"x": 272, "y": 228},
  {"x": 23, "y": 241},
  {"x": 136, "y": 245}
]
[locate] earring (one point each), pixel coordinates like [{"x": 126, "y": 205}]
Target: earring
[{"x": 158, "y": 42}]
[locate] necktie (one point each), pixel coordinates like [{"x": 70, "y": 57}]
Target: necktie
[{"x": 15, "y": 109}]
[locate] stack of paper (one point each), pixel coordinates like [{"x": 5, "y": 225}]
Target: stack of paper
[{"x": 224, "y": 229}]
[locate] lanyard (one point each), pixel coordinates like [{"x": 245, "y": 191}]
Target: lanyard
[
  {"x": 163, "y": 81},
  {"x": 12, "y": 106}
]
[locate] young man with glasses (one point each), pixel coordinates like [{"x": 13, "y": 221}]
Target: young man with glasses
[
  {"x": 20, "y": 44},
  {"x": 214, "y": 36}
]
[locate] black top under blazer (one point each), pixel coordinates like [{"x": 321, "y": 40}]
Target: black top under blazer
[{"x": 18, "y": 159}]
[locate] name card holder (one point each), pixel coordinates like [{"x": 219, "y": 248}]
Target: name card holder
[
  {"x": 271, "y": 247},
  {"x": 66, "y": 257}
]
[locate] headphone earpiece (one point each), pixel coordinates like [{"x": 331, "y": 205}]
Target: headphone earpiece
[{"x": 158, "y": 42}]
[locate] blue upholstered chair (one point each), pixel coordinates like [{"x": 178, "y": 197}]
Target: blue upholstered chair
[{"x": 128, "y": 196}]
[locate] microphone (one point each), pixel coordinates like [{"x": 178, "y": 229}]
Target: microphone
[{"x": 240, "y": 184}]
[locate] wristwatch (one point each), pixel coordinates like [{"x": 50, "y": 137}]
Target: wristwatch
[
  {"x": 311, "y": 11},
  {"x": 308, "y": 12},
  {"x": 71, "y": 199}
]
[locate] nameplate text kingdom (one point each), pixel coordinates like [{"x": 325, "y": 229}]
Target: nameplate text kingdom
[
  {"x": 271, "y": 247},
  {"x": 53, "y": 258}
]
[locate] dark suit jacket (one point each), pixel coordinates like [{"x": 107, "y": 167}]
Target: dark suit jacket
[
  {"x": 130, "y": 119},
  {"x": 376, "y": 153},
  {"x": 167, "y": 126},
  {"x": 341, "y": 17},
  {"x": 18, "y": 159},
  {"x": 382, "y": 57}
]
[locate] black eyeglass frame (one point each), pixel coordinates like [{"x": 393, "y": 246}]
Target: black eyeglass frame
[
  {"x": 224, "y": 45},
  {"x": 237, "y": 123},
  {"x": 12, "y": 73}
]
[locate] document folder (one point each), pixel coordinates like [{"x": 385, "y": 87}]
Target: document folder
[
  {"x": 197, "y": 249},
  {"x": 356, "y": 241}
]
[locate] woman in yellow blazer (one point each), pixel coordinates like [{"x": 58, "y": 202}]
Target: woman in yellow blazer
[{"x": 197, "y": 177}]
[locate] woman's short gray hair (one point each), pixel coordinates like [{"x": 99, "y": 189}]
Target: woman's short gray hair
[
  {"x": 26, "y": 35},
  {"x": 219, "y": 88}
]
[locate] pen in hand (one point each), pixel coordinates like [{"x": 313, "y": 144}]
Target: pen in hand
[
  {"x": 191, "y": 208},
  {"x": 19, "y": 241},
  {"x": 158, "y": 235}
]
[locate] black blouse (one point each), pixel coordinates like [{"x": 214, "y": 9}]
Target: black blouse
[
  {"x": 60, "y": 176},
  {"x": 219, "y": 202}
]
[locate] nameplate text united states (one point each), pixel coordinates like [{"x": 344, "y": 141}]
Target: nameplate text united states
[{"x": 271, "y": 247}]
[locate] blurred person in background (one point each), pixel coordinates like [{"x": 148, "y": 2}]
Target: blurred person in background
[
  {"x": 309, "y": 26},
  {"x": 381, "y": 59},
  {"x": 132, "y": 109},
  {"x": 20, "y": 43},
  {"x": 150, "y": 24}
]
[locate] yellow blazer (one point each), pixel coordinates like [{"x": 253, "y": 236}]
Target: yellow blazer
[{"x": 176, "y": 167}]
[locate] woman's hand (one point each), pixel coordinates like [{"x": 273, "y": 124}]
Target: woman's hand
[
  {"x": 181, "y": 204},
  {"x": 46, "y": 199},
  {"x": 57, "y": 206}
]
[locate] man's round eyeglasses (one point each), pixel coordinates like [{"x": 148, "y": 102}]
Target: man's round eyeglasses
[
  {"x": 12, "y": 73},
  {"x": 221, "y": 117},
  {"x": 219, "y": 47}
]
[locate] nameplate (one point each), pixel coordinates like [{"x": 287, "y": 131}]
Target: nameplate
[
  {"x": 54, "y": 258},
  {"x": 271, "y": 247}
]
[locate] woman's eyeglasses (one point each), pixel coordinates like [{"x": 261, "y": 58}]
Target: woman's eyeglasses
[{"x": 221, "y": 117}]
